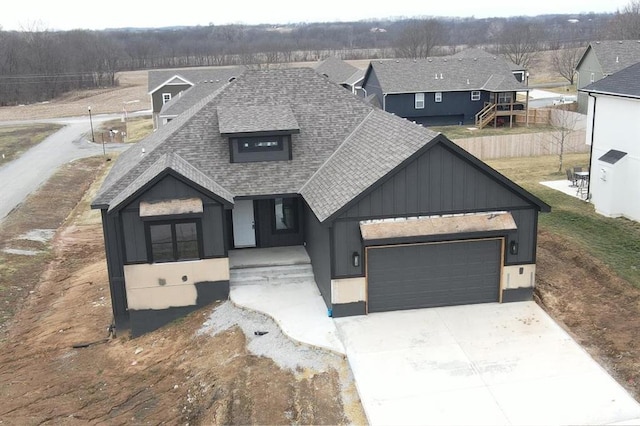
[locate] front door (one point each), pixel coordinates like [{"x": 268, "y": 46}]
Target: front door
[{"x": 244, "y": 233}]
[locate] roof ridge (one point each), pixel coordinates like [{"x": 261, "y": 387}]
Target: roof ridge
[{"x": 333, "y": 154}]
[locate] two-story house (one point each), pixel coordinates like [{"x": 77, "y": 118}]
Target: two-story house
[
  {"x": 392, "y": 215},
  {"x": 478, "y": 90}
]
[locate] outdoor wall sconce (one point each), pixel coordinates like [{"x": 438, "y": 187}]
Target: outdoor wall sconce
[
  {"x": 355, "y": 259},
  {"x": 513, "y": 247}
]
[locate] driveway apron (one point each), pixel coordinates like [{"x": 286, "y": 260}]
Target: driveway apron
[{"x": 485, "y": 364}]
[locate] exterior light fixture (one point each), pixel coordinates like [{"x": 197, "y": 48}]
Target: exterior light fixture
[
  {"x": 355, "y": 259},
  {"x": 513, "y": 247}
]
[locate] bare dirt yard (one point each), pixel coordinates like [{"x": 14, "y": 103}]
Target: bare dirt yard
[{"x": 178, "y": 374}]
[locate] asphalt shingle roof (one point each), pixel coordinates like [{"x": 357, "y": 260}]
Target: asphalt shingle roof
[
  {"x": 378, "y": 145},
  {"x": 623, "y": 82},
  {"x": 217, "y": 75},
  {"x": 614, "y": 55},
  {"x": 256, "y": 119},
  {"x": 187, "y": 98},
  {"x": 326, "y": 115},
  {"x": 336, "y": 70},
  {"x": 445, "y": 74}
]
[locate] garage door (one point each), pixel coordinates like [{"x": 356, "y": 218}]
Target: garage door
[{"x": 428, "y": 275}]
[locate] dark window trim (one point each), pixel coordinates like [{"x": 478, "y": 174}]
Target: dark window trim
[
  {"x": 173, "y": 223},
  {"x": 260, "y": 139},
  {"x": 294, "y": 230}
]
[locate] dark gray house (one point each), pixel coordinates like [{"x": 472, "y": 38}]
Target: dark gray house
[
  {"x": 462, "y": 89},
  {"x": 165, "y": 85},
  {"x": 392, "y": 215}
]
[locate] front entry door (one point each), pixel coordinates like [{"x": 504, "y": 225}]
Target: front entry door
[{"x": 244, "y": 233}]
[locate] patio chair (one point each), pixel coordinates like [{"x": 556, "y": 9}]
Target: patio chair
[
  {"x": 577, "y": 169},
  {"x": 572, "y": 178}
]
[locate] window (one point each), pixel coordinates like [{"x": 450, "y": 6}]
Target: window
[
  {"x": 174, "y": 241},
  {"x": 504, "y": 97},
  {"x": 272, "y": 143},
  {"x": 475, "y": 95},
  {"x": 438, "y": 97},
  {"x": 285, "y": 214},
  {"x": 419, "y": 100},
  {"x": 166, "y": 97}
]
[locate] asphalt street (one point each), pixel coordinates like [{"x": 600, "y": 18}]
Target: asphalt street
[{"x": 21, "y": 177}]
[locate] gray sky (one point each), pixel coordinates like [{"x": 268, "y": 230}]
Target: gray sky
[{"x": 66, "y": 14}]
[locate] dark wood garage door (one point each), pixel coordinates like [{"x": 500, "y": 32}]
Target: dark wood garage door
[{"x": 428, "y": 275}]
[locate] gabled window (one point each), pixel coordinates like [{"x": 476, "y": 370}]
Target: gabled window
[
  {"x": 475, "y": 95},
  {"x": 260, "y": 144},
  {"x": 166, "y": 97},
  {"x": 174, "y": 240},
  {"x": 419, "y": 101},
  {"x": 438, "y": 96}
]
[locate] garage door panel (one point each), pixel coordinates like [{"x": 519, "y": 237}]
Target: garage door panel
[{"x": 428, "y": 275}]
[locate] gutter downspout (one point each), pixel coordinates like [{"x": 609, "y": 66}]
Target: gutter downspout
[
  {"x": 384, "y": 101},
  {"x": 593, "y": 131}
]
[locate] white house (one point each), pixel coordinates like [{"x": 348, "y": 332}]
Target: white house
[{"x": 613, "y": 129}]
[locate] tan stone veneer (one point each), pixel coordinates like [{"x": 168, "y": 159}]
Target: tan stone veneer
[
  {"x": 348, "y": 290},
  {"x": 171, "y": 284}
]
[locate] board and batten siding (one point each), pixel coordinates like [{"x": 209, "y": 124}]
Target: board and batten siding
[
  {"x": 437, "y": 182},
  {"x": 318, "y": 248},
  {"x": 169, "y": 188}
]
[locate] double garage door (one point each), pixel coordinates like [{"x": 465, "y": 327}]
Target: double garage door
[{"x": 436, "y": 274}]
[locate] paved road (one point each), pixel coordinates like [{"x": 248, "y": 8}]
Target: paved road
[{"x": 21, "y": 177}]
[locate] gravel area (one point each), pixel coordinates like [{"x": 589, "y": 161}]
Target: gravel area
[{"x": 264, "y": 338}]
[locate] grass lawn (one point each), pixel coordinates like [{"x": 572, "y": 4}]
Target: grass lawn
[
  {"x": 16, "y": 140},
  {"x": 461, "y": 132},
  {"x": 615, "y": 241},
  {"x": 137, "y": 128}
]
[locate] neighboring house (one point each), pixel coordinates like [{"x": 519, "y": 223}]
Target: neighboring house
[
  {"x": 164, "y": 85},
  {"x": 477, "y": 90},
  {"x": 392, "y": 215},
  {"x": 600, "y": 59},
  {"x": 342, "y": 73},
  {"x": 518, "y": 71},
  {"x": 612, "y": 131}
]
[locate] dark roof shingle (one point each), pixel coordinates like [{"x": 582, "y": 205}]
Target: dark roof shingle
[{"x": 623, "y": 82}]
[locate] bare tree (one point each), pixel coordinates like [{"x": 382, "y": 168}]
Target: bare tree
[
  {"x": 564, "y": 62},
  {"x": 418, "y": 39},
  {"x": 564, "y": 123},
  {"x": 519, "y": 41},
  {"x": 625, "y": 24}
]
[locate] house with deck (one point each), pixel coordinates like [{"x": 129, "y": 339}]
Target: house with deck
[
  {"x": 391, "y": 214},
  {"x": 477, "y": 90},
  {"x": 600, "y": 59},
  {"x": 612, "y": 131}
]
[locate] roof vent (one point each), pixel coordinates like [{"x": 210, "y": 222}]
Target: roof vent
[
  {"x": 620, "y": 42},
  {"x": 617, "y": 60},
  {"x": 441, "y": 77},
  {"x": 231, "y": 79},
  {"x": 397, "y": 61},
  {"x": 445, "y": 59},
  {"x": 459, "y": 59},
  {"x": 436, "y": 76},
  {"x": 142, "y": 153},
  {"x": 429, "y": 59},
  {"x": 467, "y": 81}
]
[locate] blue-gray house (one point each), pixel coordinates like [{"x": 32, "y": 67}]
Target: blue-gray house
[
  {"x": 462, "y": 89},
  {"x": 392, "y": 215}
]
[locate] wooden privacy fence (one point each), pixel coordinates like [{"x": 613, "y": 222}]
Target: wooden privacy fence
[{"x": 523, "y": 145}]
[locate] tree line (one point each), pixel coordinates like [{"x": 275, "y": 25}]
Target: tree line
[{"x": 39, "y": 65}]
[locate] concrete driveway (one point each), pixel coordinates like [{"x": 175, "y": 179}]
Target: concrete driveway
[{"x": 487, "y": 364}]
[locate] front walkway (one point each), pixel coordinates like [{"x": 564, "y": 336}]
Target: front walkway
[{"x": 295, "y": 304}]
